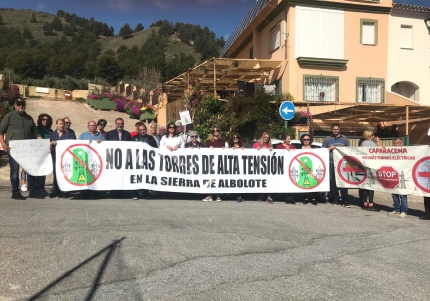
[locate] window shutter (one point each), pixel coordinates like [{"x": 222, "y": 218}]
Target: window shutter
[
  {"x": 368, "y": 33},
  {"x": 406, "y": 36}
]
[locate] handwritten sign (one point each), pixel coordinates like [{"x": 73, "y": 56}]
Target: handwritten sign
[
  {"x": 33, "y": 155},
  {"x": 185, "y": 117}
]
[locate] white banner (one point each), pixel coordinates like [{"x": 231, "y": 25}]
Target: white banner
[
  {"x": 402, "y": 170},
  {"x": 135, "y": 165},
  {"x": 33, "y": 155}
]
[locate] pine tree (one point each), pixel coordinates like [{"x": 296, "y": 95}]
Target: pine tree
[
  {"x": 47, "y": 29},
  {"x": 125, "y": 32},
  {"x": 33, "y": 18},
  {"x": 26, "y": 33},
  {"x": 56, "y": 24},
  {"x": 139, "y": 27}
]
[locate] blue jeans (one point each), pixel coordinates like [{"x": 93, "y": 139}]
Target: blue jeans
[
  {"x": 14, "y": 177},
  {"x": 334, "y": 190},
  {"x": 400, "y": 203}
]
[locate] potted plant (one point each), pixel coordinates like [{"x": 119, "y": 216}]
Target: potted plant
[
  {"x": 300, "y": 117},
  {"x": 147, "y": 113},
  {"x": 104, "y": 102}
]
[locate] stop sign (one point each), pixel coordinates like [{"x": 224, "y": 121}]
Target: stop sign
[{"x": 387, "y": 177}]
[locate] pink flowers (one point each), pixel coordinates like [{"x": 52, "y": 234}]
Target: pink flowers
[{"x": 303, "y": 114}]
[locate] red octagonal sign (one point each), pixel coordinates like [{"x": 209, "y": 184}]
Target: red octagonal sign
[{"x": 387, "y": 177}]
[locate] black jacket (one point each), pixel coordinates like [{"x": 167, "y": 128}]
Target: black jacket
[
  {"x": 113, "y": 136},
  {"x": 151, "y": 140}
]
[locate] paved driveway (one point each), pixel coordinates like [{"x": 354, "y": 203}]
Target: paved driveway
[{"x": 57, "y": 249}]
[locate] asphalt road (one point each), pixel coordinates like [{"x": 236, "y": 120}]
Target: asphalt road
[{"x": 61, "y": 249}]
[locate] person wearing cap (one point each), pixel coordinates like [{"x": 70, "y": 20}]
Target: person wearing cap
[{"x": 18, "y": 125}]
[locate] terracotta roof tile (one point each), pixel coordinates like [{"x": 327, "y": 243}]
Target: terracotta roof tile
[{"x": 412, "y": 7}]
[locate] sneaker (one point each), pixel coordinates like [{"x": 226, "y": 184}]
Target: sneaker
[
  {"x": 334, "y": 204},
  {"x": 18, "y": 196},
  {"x": 425, "y": 216},
  {"x": 24, "y": 187},
  {"x": 36, "y": 195},
  {"x": 44, "y": 192},
  {"x": 347, "y": 205},
  {"x": 218, "y": 199},
  {"x": 207, "y": 199},
  {"x": 135, "y": 198},
  {"x": 53, "y": 194},
  {"x": 305, "y": 201},
  {"x": 269, "y": 200},
  {"x": 394, "y": 213},
  {"x": 403, "y": 215},
  {"x": 239, "y": 199}
]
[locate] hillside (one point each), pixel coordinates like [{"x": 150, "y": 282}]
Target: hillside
[
  {"x": 68, "y": 50},
  {"x": 20, "y": 18}
]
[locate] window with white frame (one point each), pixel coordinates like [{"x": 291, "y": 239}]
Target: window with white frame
[
  {"x": 275, "y": 38},
  {"x": 406, "y": 40},
  {"x": 370, "y": 90},
  {"x": 320, "y": 88},
  {"x": 369, "y": 32}
]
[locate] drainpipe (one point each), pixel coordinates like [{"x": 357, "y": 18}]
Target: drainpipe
[{"x": 407, "y": 127}]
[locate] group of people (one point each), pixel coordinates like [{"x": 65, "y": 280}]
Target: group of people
[{"x": 18, "y": 125}]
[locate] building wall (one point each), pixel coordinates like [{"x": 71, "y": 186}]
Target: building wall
[
  {"x": 364, "y": 60},
  {"x": 406, "y": 66}
]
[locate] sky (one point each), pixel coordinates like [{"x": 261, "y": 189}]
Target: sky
[{"x": 221, "y": 16}]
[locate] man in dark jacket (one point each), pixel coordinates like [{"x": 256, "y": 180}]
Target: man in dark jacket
[
  {"x": 118, "y": 134},
  {"x": 18, "y": 125},
  {"x": 144, "y": 137},
  {"x": 148, "y": 139}
]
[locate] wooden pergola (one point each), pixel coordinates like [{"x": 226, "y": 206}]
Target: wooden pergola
[
  {"x": 220, "y": 74},
  {"x": 370, "y": 113}
]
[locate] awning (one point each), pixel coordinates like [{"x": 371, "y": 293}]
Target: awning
[
  {"x": 365, "y": 112},
  {"x": 221, "y": 74}
]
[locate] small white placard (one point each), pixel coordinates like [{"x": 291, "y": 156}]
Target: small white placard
[
  {"x": 42, "y": 90},
  {"x": 34, "y": 155},
  {"x": 185, "y": 117}
]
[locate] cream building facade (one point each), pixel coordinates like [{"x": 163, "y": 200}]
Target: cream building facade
[{"x": 409, "y": 53}]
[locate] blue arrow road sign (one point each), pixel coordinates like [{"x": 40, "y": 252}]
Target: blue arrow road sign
[{"x": 287, "y": 110}]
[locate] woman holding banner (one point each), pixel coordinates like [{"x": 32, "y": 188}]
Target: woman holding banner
[
  {"x": 171, "y": 140},
  {"x": 214, "y": 140},
  {"x": 58, "y": 134},
  {"x": 264, "y": 143},
  {"x": 235, "y": 142},
  {"x": 306, "y": 141},
  {"x": 366, "y": 194},
  {"x": 286, "y": 139},
  {"x": 44, "y": 123}
]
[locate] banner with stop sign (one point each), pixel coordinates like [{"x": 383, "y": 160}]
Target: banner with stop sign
[{"x": 402, "y": 170}]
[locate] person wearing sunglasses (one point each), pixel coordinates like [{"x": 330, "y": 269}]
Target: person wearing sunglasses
[
  {"x": 18, "y": 125},
  {"x": 306, "y": 141},
  {"x": 235, "y": 141},
  {"x": 171, "y": 141},
  {"x": 215, "y": 140},
  {"x": 44, "y": 123},
  {"x": 101, "y": 125},
  {"x": 194, "y": 143},
  {"x": 186, "y": 137},
  {"x": 67, "y": 124}
]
